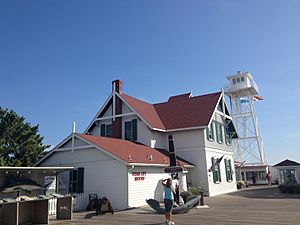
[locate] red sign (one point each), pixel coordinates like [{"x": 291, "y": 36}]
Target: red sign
[{"x": 139, "y": 176}]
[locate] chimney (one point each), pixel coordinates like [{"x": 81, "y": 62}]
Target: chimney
[
  {"x": 117, "y": 86},
  {"x": 117, "y": 122}
]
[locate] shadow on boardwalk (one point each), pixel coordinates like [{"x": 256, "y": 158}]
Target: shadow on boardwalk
[
  {"x": 268, "y": 192},
  {"x": 261, "y": 205}
]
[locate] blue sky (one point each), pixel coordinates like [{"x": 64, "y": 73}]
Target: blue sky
[{"x": 58, "y": 58}]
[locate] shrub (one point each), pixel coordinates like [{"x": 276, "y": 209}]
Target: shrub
[
  {"x": 195, "y": 190},
  {"x": 289, "y": 188},
  {"x": 283, "y": 188},
  {"x": 192, "y": 191},
  {"x": 240, "y": 184}
]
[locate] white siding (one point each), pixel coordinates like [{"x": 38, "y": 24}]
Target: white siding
[
  {"x": 77, "y": 143},
  {"x": 213, "y": 143},
  {"x": 150, "y": 187},
  {"x": 153, "y": 139},
  {"x": 224, "y": 186},
  {"x": 125, "y": 108},
  {"x": 102, "y": 174},
  {"x": 190, "y": 146}
]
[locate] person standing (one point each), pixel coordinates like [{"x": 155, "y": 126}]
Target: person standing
[
  {"x": 168, "y": 200},
  {"x": 269, "y": 178},
  {"x": 175, "y": 185}
]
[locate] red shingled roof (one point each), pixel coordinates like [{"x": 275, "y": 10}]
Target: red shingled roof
[
  {"x": 132, "y": 152},
  {"x": 145, "y": 110},
  {"x": 287, "y": 162},
  {"x": 180, "y": 111}
]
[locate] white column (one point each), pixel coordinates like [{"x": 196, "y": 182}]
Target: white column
[{"x": 182, "y": 185}]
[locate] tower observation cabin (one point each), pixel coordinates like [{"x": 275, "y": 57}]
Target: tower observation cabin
[{"x": 242, "y": 83}]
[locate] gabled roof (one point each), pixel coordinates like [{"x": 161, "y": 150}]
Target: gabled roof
[
  {"x": 287, "y": 162},
  {"x": 131, "y": 152},
  {"x": 189, "y": 112},
  {"x": 182, "y": 111}
]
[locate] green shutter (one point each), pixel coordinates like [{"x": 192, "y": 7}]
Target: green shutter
[
  {"x": 128, "y": 131},
  {"x": 207, "y": 133},
  {"x": 134, "y": 129},
  {"x": 212, "y": 131},
  {"x": 226, "y": 169},
  {"x": 230, "y": 169},
  {"x": 213, "y": 170},
  {"x": 221, "y": 133},
  {"x": 217, "y": 132},
  {"x": 80, "y": 179},
  {"x": 71, "y": 181},
  {"x": 102, "y": 130},
  {"x": 219, "y": 173}
]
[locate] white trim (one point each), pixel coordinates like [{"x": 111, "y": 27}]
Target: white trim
[
  {"x": 104, "y": 105},
  {"x": 180, "y": 129},
  {"x": 36, "y": 168},
  {"x": 216, "y": 106},
  {"x": 158, "y": 129},
  {"x": 118, "y": 115},
  {"x": 72, "y": 148},
  {"x": 158, "y": 165},
  {"x": 222, "y": 114}
]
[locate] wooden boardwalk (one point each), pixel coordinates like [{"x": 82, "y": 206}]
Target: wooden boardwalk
[{"x": 260, "y": 205}]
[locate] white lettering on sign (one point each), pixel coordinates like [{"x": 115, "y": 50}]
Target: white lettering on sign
[{"x": 139, "y": 175}]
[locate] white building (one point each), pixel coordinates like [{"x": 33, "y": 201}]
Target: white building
[
  {"x": 124, "y": 150},
  {"x": 288, "y": 170}
]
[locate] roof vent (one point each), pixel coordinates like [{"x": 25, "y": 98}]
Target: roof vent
[
  {"x": 149, "y": 156},
  {"x": 129, "y": 157}
]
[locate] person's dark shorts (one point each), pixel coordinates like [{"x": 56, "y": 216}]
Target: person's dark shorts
[{"x": 168, "y": 205}]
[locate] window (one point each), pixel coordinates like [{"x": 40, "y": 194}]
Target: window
[
  {"x": 261, "y": 175},
  {"x": 131, "y": 130},
  {"x": 210, "y": 132},
  {"x": 106, "y": 130},
  {"x": 216, "y": 170},
  {"x": 228, "y": 169},
  {"x": 76, "y": 180},
  {"x": 233, "y": 81},
  {"x": 219, "y": 132},
  {"x": 242, "y": 79},
  {"x": 227, "y": 135},
  {"x": 238, "y": 80}
]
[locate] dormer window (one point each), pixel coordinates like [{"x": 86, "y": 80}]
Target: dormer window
[{"x": 131, "y": 130}]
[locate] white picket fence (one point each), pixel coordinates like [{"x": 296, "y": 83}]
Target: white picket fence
[{"x": 79, "y": 203}]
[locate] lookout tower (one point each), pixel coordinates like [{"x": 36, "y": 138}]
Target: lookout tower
[{"x": 243, "y": 93}]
